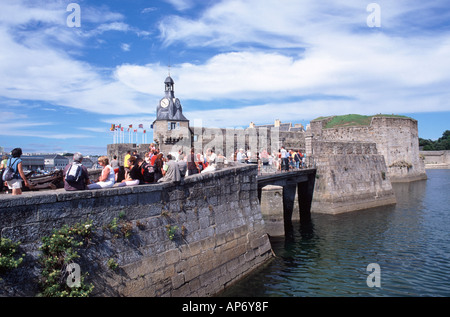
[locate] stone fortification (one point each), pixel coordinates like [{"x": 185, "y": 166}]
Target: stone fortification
[
  {"x": 219, "y": 234},
  {"x": 120, "y": 150},
  {"x": 350, "y": 176},
  {"x": 256, "y": 139},
  {"x": 396, "y": 138},
  {"x": 436, "y": 159}
]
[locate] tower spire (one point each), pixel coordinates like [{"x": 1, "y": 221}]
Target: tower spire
[{"x": 169, "y": 66}]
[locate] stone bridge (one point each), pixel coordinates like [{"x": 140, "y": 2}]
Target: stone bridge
[{"x": 299, "y": 182}]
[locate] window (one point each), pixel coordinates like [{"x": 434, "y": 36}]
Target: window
[{"x": 173, "y": 126}]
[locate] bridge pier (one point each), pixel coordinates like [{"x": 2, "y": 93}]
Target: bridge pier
[
  {"x": 305, "y": 197},
  {"x": 278, "y": 207},
  {"x": 289, "y": 192}
]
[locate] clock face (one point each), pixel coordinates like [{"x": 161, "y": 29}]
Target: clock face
[{"x": 165, "y": 103}]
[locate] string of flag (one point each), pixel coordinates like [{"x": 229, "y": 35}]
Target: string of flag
[{"x": 120, "y": 131}]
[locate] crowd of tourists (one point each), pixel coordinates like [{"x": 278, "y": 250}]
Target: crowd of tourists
[
  {"x": 282, "y": 160},
  {"x": 153, "y": 167}
]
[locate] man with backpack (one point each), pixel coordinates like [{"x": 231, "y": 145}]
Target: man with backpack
[{"x": 76, "y": 176}]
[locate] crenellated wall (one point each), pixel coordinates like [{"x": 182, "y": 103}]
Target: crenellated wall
[{"x": 220, "y": 235}]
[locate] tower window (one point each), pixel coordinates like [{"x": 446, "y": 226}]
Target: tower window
[{"x": 173, "y": 126}]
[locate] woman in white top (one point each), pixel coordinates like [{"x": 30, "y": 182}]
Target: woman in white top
[{"x": 107, "y": 178}]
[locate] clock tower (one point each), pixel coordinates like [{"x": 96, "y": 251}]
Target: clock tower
[{"x": 171, "y": 128}]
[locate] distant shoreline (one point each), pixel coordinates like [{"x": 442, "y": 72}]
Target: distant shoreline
[{"x": 437, "y": 166}]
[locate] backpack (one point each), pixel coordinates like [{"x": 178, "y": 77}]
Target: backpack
[
  {"x": 9, "y": 173},
  {"x": 148, "y": 172},
  {"x": 73, "y": 174}
]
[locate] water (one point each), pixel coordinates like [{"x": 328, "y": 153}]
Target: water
[{"x": 409, "y": 241}]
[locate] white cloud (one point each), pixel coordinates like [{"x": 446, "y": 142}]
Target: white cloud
[
  {"x": 378, "y": 71},
  {"x": 290, "y": 59},
  {"x": 19, "y": 13},
  {"x": 270, "y": 23},
  {"x": 148, "y": 10},
  {"x": 114, "y": 26},
  {"x": 125, "y": 47},
  {"x": 38, "y": 70},
  {"x": 324, "y": 52},
  {"x": 181, "y": 5}
]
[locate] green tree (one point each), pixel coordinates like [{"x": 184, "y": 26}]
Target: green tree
[{"x": 441, "y": 144}]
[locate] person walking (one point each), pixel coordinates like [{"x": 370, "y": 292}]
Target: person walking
[
  {"x": 16, "y": 163},
  {"x": 284, "y": 159}
]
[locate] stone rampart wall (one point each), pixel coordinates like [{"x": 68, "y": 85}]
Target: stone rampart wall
[
  {"x": 120, "y": 150},
  {"x": 325, "y": 148},
  {"x": 227, "y": 141},
  {"x": 220, "y": 235},
  {"x": 436, "y": 159},
  {"x": 350, "y": 176},
  {"x": 395, "y": 138}
]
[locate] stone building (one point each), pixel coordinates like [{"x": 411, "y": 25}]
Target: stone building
[
  {"x": 55, "y": 162},
  {"x": 33, "y": 162},
  {"x": 171, "y": 130}
]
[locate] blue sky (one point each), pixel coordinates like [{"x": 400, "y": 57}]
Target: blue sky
[{"x": 233, "y": 62}]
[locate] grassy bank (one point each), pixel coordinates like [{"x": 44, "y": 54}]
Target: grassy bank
[{"x": 353, "y": 120}]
